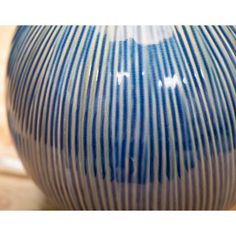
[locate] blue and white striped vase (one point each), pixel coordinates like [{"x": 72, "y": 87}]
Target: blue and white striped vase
[{"x": 137, "y": 117}]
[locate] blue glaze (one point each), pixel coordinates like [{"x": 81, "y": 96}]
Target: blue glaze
[{"x": 126, "y": 114}]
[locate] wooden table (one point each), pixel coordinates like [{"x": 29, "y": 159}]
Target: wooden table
[{"x": 17, "y": 191}]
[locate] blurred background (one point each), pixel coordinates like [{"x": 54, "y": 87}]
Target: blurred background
[
  {"x": 6, "y": 34},
  {"x": 17, "y": 190}
]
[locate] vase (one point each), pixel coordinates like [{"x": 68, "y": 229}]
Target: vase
[{"x": 126, "y": 117}]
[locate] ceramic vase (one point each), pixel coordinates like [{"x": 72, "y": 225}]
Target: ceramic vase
[{"x": 126, "y": 117}]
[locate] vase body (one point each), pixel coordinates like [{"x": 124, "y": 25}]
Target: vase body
[{"x": 126, "y": 117}]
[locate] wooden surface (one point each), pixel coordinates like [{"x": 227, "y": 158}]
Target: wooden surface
[{"x": 17, "y": 190}]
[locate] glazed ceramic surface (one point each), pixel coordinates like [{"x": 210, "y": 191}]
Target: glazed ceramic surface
[{"x": 139, "y": 117}]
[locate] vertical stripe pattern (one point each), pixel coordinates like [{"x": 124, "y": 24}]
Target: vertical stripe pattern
[{"x": 126, "y": 117}]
